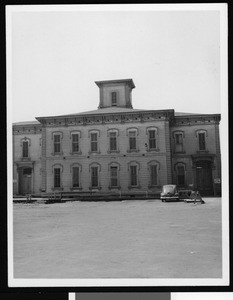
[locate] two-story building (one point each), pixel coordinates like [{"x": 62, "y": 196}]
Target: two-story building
[{"x": 117, "y": 148}]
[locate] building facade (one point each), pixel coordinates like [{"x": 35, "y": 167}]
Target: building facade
[{"x": 117, "y": 149}]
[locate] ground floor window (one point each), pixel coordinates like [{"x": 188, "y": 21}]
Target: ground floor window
[
  {"x": 114, "y": 176},
  {"x": 94, "y": 176},
  {"x": 133, "y": 176},
  {"x": 75, "y": 177},
  {"x": 57, "y": 177},
  {"x": 153, "y": 175},
  {"x": 180, "y": 176}
]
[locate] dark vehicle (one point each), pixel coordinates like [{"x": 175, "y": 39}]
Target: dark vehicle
[{"x": 169, "y": 193}]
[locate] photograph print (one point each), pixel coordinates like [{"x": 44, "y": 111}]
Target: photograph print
[{"x": 117, "y": 145}]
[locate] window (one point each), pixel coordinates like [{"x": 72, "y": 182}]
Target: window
[
  {"x": 94, "y": 143},
  {"x": 132, "y": 140},
  {"x": 75, "y": 178},
  {"x": 113, "y": 141},
  {"x": 57, "y": 177},
  {"x": 94, "y": 176},
  {"x": 57, "y": 143},
  {"x": 133, "y": 175},
  {"x": 114, "y": 98},
  {"x": 180, "y": 175},
  {"x": 153, "y": 175},
  {"x": 114, "y": 176},
  {"x": 178, "y": 142},
  {"x": 152, "y": 139},
  {"x": 75, "y": 142},
  {"x": 201, "y": 137},
  {"x": 25, "y": 149}
]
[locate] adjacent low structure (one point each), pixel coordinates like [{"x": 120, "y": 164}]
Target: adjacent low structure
[{"x": 117, "y": 149}]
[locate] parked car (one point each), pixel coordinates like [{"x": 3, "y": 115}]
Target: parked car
[{"x": 169, "y": 193}]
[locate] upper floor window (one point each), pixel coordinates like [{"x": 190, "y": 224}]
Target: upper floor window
[
  {"x": 201, "y": 138},
  {"x": 152, "y": 139},
  {"x": 57, "y": 143},
  {"x": 178, "y": 138},
  {"x": 94, "y": 142},
  {"x": 132, "y": 140},
  {"x": 75, "y": 142},
  {"x": 113, "y": 141},
  {"x": 201, "y": 135},
  {"x": 114, "y": 98},
  {"x": 25, "y": 149}
]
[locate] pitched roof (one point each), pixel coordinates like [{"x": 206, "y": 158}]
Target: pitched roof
[{"x": 101, "y": 111}]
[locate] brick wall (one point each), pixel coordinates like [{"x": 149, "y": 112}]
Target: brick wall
[{"x": 104, "y": 158}]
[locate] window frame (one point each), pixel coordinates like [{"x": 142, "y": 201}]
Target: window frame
[
  {"x": 131, "y": 165},
  {"x": 27, "y": 141},
  {"x": 151, "y": 164},
  {"x": 25, "y": 149},
  {"x": 98, "y": 168},
  {"x": 116, "y": 133},
  {"x": 176, "y": 145},
  {"x": 72, "y": 143},
  {"x": 149, "y": 139},
  {"x": 60, "y": 134},
  {"x": 202, "y": 132},
  {"x": 179, "y": 165},
  {"x": 115, "y": 93},
  {"x": 117, "y": 177},
  {"x": 90, "y": 134},
  {"x": 56, "y": 167}
]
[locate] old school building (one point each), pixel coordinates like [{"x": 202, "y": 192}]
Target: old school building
[{"x": 117, "y": 149}]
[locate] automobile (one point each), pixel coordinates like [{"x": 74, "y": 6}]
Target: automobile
[{"x": 169, "y": 193}]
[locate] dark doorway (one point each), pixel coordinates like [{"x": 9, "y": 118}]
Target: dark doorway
[
  {"x": 204, "y": 180},
  {"x": 25, "y": 181}
]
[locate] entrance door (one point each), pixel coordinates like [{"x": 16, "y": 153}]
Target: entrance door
[
  {"x": 204, "y": 180},
  {"x": 25, "y": 181}
]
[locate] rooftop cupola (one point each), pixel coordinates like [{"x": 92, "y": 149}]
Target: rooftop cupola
[{"x": 115, "y": 93}]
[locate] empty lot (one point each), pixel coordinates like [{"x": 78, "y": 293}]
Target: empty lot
[{"x": 128, "y": 239}]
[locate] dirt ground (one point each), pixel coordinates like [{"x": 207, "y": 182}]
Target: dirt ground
[{"x": 128, "y": 239}]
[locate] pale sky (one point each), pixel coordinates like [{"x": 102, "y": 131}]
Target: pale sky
[{"x": 173, "y": 58}]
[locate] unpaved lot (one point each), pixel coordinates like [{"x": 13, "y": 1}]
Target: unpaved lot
[{"x": 129, "y": 239}]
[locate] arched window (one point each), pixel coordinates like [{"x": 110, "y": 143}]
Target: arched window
[
  {"x": 114, "y": 168},
  {"x": 178, "y": 141},
  {"x": 113, "y": 145},
  {"x": 57, "y": 137},
  {"x": 201, "y": 135},
  {"x": 94, "y": 169},
  {"x": 133, "y": 168},
  {"x": 153, "y": 168},
  {"x": 25, "y": 144},
  {"x": 152, "y": 133},
  {"x": 75, "y": 170},
  {"x": 25, "y": 149},
  {"x": 94, "y": 145},
  {"x": 132, "y": 134},
  {"x": 75, "y": 142},
  {"x": 57, "y": 176}
]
